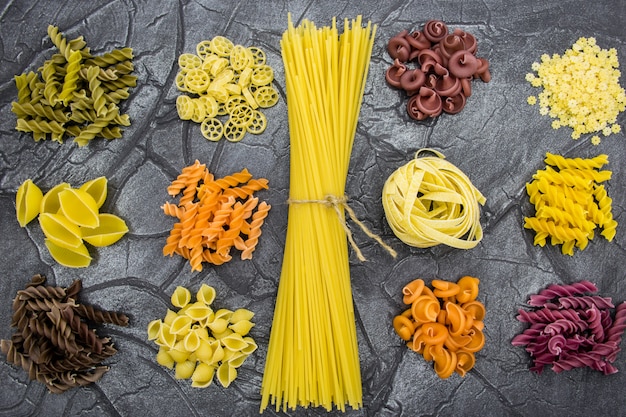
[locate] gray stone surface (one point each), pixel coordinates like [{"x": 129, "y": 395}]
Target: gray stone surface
[{"x": 497, "y": 140}]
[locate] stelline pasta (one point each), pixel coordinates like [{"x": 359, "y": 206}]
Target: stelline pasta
[
  {"x": 312, "y": 357},
  {"x": 75, "y": 93},
  {"x": 55, "y": 342}
]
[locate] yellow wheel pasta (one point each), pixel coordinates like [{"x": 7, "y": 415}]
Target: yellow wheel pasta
[
  {"x": 224, "y": 79},
  {"x": 430, "y": 201}
]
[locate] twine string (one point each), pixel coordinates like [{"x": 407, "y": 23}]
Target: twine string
[{"x": 337, "y": 203}]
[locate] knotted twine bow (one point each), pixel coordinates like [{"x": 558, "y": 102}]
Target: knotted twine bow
[{"x": 332, "y": 201}]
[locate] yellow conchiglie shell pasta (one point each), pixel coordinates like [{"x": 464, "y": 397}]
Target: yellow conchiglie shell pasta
[
  {"x": 111, "y": 228},
  {"x": 50, "y": 202},
  {"x": 60, "y": 230},
  {"x": 27, "y": 202},
  {"x": 203, "y": 375},
  {"x": 226, "y": 374},
  {"x": 97, "y": 188},
  {"x": 206, "y": 294},
  {"x": 184, "y": 369},
  {"x": 163, "y": 358},
  {"x": 79, "y": 207},
  {"x": 181, "y": 297},
  {"x": 241, "y": 314},
  {"x": 70, "y": 257},
  {"x": 242, "y": 327}
]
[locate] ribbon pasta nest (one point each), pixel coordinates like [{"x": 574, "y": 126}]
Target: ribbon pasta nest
[
  {"x": 443, "y": 324},
  {"x": 430, "y": 201}
]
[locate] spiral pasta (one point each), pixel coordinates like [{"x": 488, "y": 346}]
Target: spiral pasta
[
  {"x": 200, "y": 343},
  {"x": 429, "y": 201},
  {"x": 570, "y": 202},
  {"x": 443, "y": 324},
  {"x": 213, "y": 215},
  {"x": 78, "y": 93},
  {"x": 227, "y": 75}
]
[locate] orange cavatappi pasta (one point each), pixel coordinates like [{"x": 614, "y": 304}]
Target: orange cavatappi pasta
[
  {"x": 443, "y": 325},
  {"x": 213, "y": 215}
]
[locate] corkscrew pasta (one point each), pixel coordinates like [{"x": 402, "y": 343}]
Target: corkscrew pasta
[
  {"x": 224, "y": 79},
  {"x": 444, "y": 325},
  {"x": 214, "y": 215},
  {"x": 200, "y": 343},
  {"x": 78, "y": 94},
  {"x": 570, "y": 202}
]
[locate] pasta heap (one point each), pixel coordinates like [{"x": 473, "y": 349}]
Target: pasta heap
[
  {"x": 201, "y": 343},
  {"x": 429, "y": 201},
  {"x": 214, "y": 215},
  {"x": 444, "y": 324},
  {"x": 570, "y": 202},
  {"x": 572, "y": 327},
  {"x": 55, "y": 341},
  {"x": 76, "y": 93},
  {"x": 312, "y": 356},
  {"x": 69, "y": 218},
  {"x": 224, "y": 79}
]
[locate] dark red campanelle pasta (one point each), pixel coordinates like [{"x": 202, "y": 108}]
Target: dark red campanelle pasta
[
  {"x": 572, "y": 328},
  {"x": 446, "y": 62}
]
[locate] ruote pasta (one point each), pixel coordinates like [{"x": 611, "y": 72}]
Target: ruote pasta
[
  {"x": 227, "y": 85},
  {"x": 570, "y": 202},
  {"x": 75, "y": 93}
]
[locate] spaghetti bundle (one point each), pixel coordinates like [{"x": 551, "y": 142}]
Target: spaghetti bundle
[{"x": 312, "y": 357}]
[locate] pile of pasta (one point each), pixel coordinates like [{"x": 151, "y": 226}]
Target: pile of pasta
[
  {"x": 444, "y": 324},
  {"x": 56, "y": 342},
  {"x": 228, "y": 80},
  {"x": 70, "y": 217},
  {"x": 75, "y": 93},
  {"x": 430, "y": 201},
  {"x": 312, "y": 357},
  {"x": 201, "y": 343},
  {"x": 215, "y": 215},
  {"x": 572, "y": 327},
  {"x": 570, "y": 202}
]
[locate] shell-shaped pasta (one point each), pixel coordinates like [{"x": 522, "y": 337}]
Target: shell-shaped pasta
[
  {"x": 111, "y": 228},
  {"x": 169, "y": 317},
  {"x": 425, "y": 309},
  {"x": 226, "y": 374},
  {"x": 27, "y": 202},
  {"x": 225, "y": 333},
  {"x": 60, "y": 230},
  {"x": 241, "y": 314},
  {"x": 251, "y": 346},
  {"x": 180, "y": 297},
  {"x": 204, "y": 352},
  {"x": 163, "y": 358},
  {"x": 242, "y": 327},
  {"x": 412, "y": 290},
  {"x": 218, "y": 325},
  {"x": 97, "y": 188},
  {"x": 206, "y": 294},
  {"x": 154, "y": 327},
  {"x": 203, "y": 375},
  {"x": 79, "y": 207},
  {"x": 166, "y": 337},
  {"x": 70, "y": 257},
  {"x": 234, "y": 342},
  {"x": 181, "y": 325},
  {"x": 191, "y": 342},
  {"x": 468, "y": 289},
  {"x": 202, "y": 332},
  {"x": 179, "y": 353},
  {"x": 218, "y": 352},
  {"x": 184, "y": 369},
  {"x": 199, "y": 311},
  {"x": 464, "y": 362},
  {"x": 237, "y": 359},
  {"x": 50, "y": 201}
]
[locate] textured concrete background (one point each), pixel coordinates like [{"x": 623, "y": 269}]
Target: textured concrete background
[{"x": 497, "y": 140}]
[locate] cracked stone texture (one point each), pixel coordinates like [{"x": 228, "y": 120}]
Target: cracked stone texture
[{"x": 497, "y": 140}]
